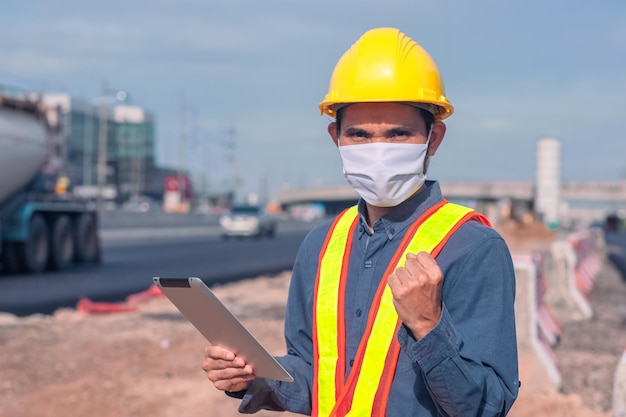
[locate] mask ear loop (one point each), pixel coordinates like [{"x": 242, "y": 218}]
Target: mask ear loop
[{"x": 427, "y": 158}]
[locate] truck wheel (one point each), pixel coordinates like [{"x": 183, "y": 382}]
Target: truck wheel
[
  {"x": 61, "y": 243},
  {"x": 34, "y": 253},
  {"x": 10, "y": 259},
  {"x": 85, "y": 239}
]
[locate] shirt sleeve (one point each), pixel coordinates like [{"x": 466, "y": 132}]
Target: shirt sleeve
[
  {"x": 293, "y": 396},
  {"x": 469, "y": 360}
]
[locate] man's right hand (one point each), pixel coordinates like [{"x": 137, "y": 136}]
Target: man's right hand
[{"x": 227, "y": 371}]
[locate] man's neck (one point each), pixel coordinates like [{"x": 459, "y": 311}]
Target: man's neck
[{"x": 374, "y": 213}]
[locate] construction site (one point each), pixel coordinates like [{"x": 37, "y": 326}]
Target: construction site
[{"x": 143, "y": 358}]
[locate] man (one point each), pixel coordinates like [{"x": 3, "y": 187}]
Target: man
[{"x": 402, "y": 305}]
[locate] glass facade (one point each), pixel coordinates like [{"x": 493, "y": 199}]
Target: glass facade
[
  {"x": 133, "y": 154},
  {"x": 81, "y": 144},
  {"x": 130, "y": 148}
]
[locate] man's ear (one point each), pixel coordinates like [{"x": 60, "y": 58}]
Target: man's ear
[
  {"x": 332, "y": 131},
  {"x": 436, "y": 137}
]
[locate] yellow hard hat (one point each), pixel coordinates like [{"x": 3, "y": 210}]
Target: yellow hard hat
[{"x": 385, "y": 65}]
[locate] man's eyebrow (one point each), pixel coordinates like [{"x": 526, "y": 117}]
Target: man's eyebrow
[
  {"x": 353, "y": 131},
  {"x": 399, "y": 130}
]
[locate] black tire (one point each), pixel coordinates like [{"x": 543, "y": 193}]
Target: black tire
[
  {"x": 86, "y": 245},
  {"x": 61, "y": 243},
  {"x": 34, "y": 253},
  {"x": 10, "y": 259}
]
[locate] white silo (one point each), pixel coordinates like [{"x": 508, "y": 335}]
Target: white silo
[{"x": 548, "y": 181}]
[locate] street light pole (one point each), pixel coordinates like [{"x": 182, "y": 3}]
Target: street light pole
[{"x": 103, "y": 119}]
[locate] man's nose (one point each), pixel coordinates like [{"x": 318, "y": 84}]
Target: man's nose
[{"x": 380, "y": 139}]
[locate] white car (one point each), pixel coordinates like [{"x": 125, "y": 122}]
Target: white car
[{"x": 247, "y": 221}]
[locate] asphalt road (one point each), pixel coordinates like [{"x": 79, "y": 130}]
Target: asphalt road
[{"x": 136, "y": 252}]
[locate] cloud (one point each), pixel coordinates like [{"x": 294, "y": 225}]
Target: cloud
[{"x": 32, "y": 63}]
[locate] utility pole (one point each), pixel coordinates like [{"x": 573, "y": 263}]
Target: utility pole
[
  {"x": 102, "y": 154},
  {"x": 102, "y": 108},
  {"x": 87, "y": 151},
  {"x": 232, "y": 163},
  {"x": 264, "y": 189},
  {"x": 206, "y": 171},
  {"x": 182, "y": 184}
]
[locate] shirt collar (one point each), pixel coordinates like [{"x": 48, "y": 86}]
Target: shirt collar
[{"x": 404, "y": 214}]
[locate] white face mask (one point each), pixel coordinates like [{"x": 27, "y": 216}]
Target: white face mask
[{"x": 384, "y": 174}]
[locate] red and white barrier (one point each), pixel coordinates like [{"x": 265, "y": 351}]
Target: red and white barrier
[
  {"x": 537, "y": 329},
  {"x": 577, "y": 261},
  {"x": 549, "y": 328},
  {"x": 588, "y": 260}
]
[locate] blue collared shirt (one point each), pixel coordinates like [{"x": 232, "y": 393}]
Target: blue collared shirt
[{"x": 465, "y": 366}]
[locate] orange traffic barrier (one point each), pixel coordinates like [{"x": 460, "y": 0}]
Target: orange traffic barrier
[
  {"x": 152, "y": 292},
  {"x": 85, "y": 305}
]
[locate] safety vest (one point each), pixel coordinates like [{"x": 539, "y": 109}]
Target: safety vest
[{"x": 366, "y": 390}]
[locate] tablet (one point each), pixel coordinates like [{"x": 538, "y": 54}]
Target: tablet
[{"x": 218, "y": 325}]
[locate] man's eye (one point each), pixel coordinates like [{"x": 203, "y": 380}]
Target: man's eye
[
  {"x": 357, "y": 135},
  {"x": 400, "y": 134}
]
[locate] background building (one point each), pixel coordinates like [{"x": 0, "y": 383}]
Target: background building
[
  {"x": 125, "y": 133},
  {"x": 548, "y": 182},
  {"x": 132, "y": 149}
]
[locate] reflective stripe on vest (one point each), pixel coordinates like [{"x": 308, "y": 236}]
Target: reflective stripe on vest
[{"x": 366, "y": 390}]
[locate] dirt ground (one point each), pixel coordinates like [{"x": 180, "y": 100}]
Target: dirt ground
[{"x": 147, "y": 362}]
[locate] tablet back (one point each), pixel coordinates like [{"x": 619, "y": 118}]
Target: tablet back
[{"x": 218, "y": 325}]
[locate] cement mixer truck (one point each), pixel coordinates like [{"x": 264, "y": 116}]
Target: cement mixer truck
[{"x": 42, "y": 225}]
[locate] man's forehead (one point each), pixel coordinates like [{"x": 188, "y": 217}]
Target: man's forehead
[
  {"x": 380, "y": 113},
  {"x": 431, "y": 108}
]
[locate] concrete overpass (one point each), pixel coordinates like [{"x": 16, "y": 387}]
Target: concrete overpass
[
  {"x": 486, "y": 194},
  {"x": 610, "y": 191}
]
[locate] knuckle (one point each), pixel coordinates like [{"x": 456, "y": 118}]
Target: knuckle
[
  {"x": 402, "y": 293},
  {"x": 436, "y": 276},
  {"x": 211, "y": 375},
  {"x": 215, "y": 374},
  {"x": 221, "y": 385}
]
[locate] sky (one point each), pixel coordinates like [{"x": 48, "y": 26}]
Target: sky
[{"x": 234, "y": 85}]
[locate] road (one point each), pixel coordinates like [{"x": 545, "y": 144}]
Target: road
[{"x": 135, "y": 253}]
